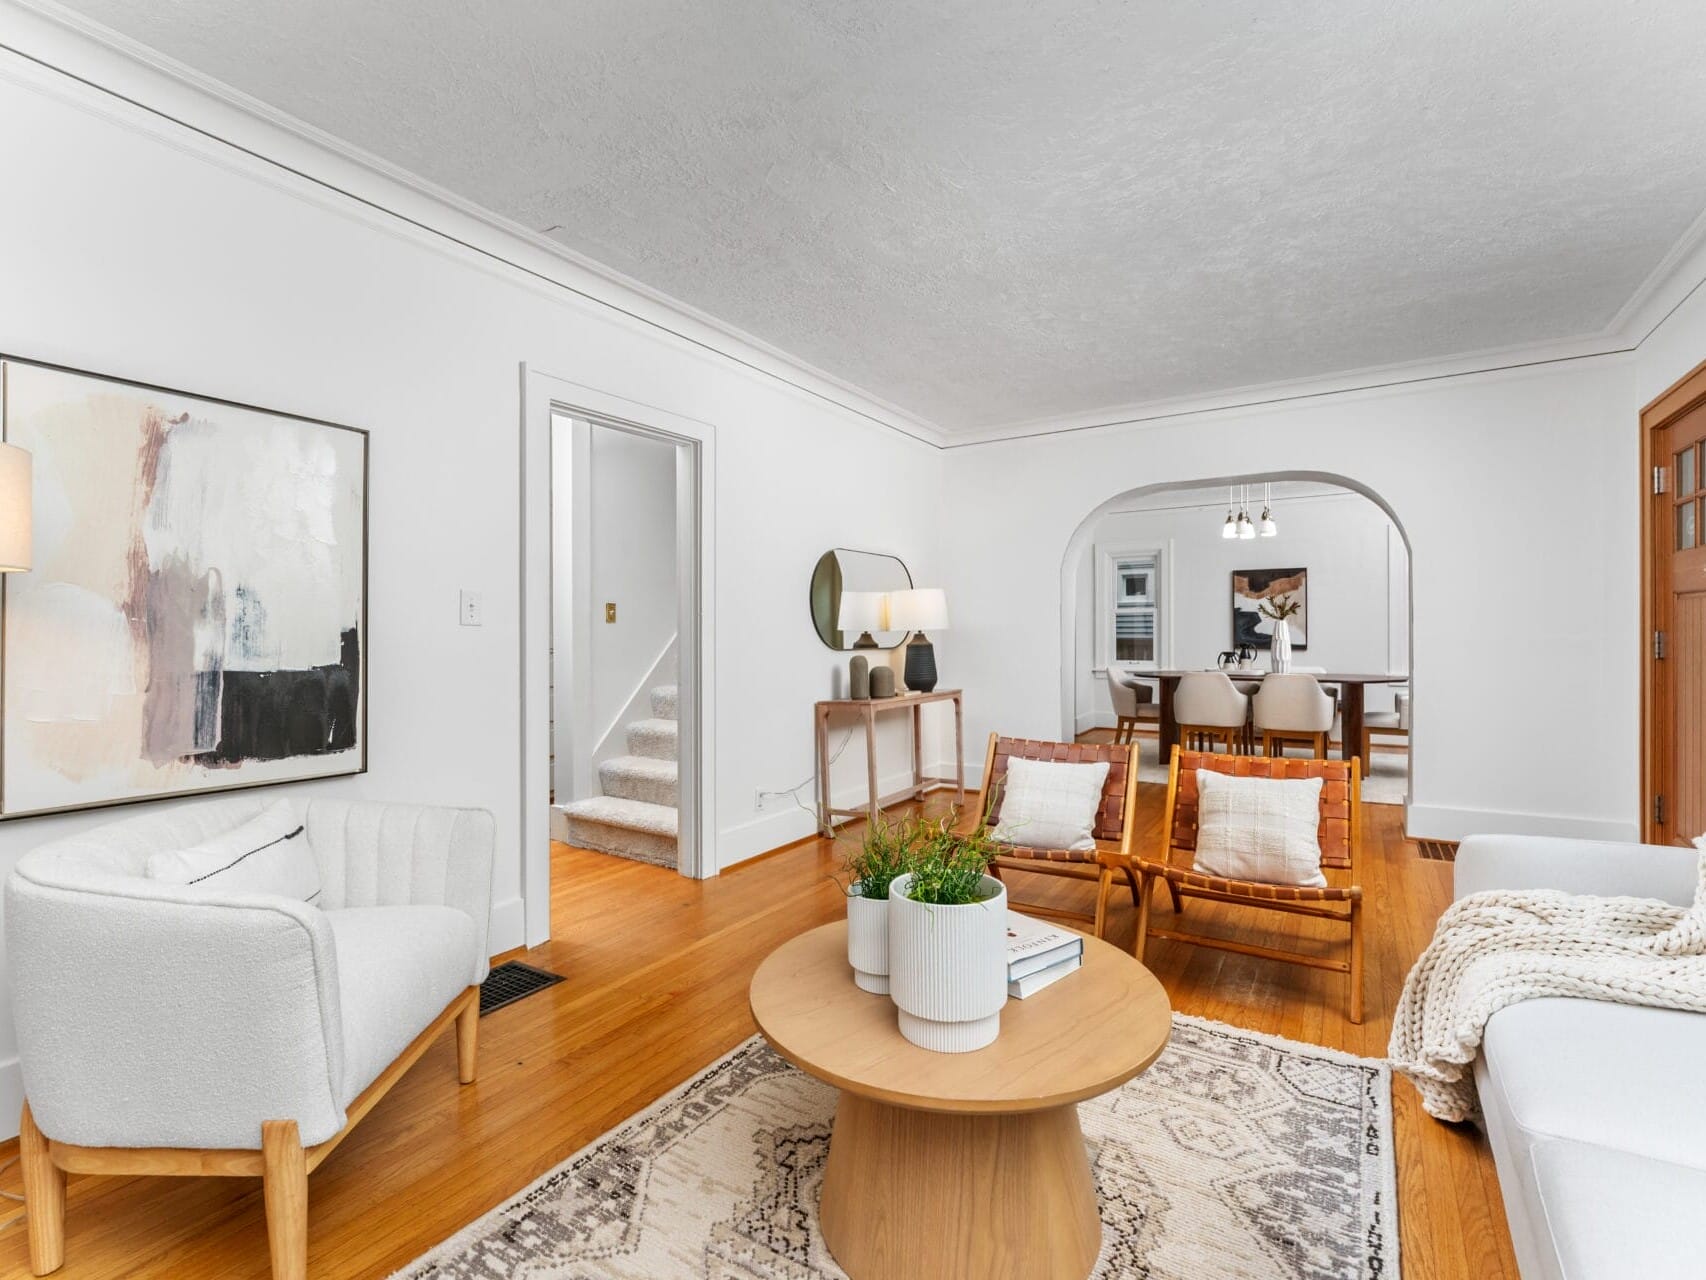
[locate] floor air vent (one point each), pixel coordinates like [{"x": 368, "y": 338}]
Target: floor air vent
[
  {"x": 511, "y": 981},
  {"x": 1439, "y": 850}
]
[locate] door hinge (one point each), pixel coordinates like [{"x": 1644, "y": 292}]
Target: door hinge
[
  {"x": 1658, "y": 811},
  {"x": 1658, "y": 644},
  {"x": 1660, "y": 476}
]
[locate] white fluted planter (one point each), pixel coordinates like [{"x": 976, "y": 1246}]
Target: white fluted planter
[
  {"x": 868, "y": 942},
  {"x": 948, "y": 968},
  {"x": 1282, "y": 646}
]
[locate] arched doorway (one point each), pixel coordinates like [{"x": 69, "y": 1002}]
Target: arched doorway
[{"x": 1162, "y": 542}]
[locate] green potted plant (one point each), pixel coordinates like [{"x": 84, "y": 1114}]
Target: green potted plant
[
  {"x": 884, "y": 855},
  {"x": 948, "y": 941}
]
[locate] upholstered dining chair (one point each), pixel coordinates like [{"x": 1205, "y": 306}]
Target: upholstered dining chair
[
  {"x": 1291, "y": 707},
  {"x": 1114, "y": 829},
  {"x": 1133, "y": 704},
  {"x": 1339, "y": 836},
  {"x": 1208, "y": 709},
  {"x": 1390, "y": 724}
]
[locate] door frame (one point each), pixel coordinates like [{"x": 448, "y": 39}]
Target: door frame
[
  {"x": 1658, "y": 737},
  {"x": 544, "y": 397}
]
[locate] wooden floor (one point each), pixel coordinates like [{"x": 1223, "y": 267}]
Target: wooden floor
[{"x": 658, "y": 968}]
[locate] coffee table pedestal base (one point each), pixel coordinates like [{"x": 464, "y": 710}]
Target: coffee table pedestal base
[{"x": 908, "y": 1194}]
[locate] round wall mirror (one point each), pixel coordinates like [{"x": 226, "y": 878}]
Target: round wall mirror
[{"x": 848, "y": 605}]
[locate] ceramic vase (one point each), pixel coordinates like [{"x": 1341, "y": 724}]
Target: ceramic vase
[
  {"x": 948, "y": 968},
  {"x": 1282, "y": 646},
  {"x": 859, "y": 677},
  {"x": 882, "y": 681},
  {"x": 868, "y": 941}
]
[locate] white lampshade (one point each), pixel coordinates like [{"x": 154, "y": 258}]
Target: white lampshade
[
  {"x": 921, "y": 609},
  {"x": 863, "y": 611},
  {"x": 15, "y": 542}
]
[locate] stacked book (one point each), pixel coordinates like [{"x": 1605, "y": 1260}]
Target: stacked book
[{"x": 1038, "y": 954}]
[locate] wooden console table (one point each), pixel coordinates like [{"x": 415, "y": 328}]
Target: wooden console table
[{"x": 869, "y": 709}]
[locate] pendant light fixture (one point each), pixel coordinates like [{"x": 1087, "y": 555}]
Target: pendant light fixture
[
  {"x": 1230, "y": 528},
  {"x": 1246, "y": 526},
  {"x": 1269, "y": 528}
]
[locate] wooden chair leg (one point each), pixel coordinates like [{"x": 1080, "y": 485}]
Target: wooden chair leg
[
  {"x": 468, "y": 1038},
  {"x": 1136, "y": 890},
  {"x": 1178, "y": 901},
  {"x": 1104, "y": 883},
  {"x": 1145, "y": 897},
  {"x": 44, "y": 1197},
  {"x": 1356, "y": 962},
  {"x": 1321, "y": 746},
  {"x": 284, "y": 1187}
]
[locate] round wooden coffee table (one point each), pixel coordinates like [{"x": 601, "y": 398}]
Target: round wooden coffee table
[{"x": 960, "y": 1164}]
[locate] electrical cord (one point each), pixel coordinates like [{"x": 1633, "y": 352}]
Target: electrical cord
[{"x": 793, "y": 793}]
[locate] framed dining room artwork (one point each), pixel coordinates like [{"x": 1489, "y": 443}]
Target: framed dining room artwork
[
  {"x": 196, "y": 616},
  {"x": 1254, "y": 588}
]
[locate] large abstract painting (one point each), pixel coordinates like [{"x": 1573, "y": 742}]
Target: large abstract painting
[
  {"x": 196, "y": 615},
  {"x": 1253, "y": 588}
]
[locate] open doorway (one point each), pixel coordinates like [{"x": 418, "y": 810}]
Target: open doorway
[
  {"x": 624, "y": 594},
  {"x": 1153, "y": 583}
]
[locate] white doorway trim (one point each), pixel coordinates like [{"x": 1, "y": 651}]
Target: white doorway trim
[{"x": 545, "y": 396}]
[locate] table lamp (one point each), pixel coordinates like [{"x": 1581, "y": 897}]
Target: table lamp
[
  {"x": 864, "y": 612},
  {"x": 15, "y": 542},
  {"x": 918, "y": 610}
]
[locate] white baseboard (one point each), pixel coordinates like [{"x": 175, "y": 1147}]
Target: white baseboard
[
  {"x": 507, "y": 926},
  {"x": 772, "y": 830},
  {"x": 1436, "y": 822},
  {"x": 1088, "y": 720},
  {"x": 11, "y": 1097}
]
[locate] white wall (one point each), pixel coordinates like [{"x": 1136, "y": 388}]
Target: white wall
[
  {"x": 633, "y": 566},
  {"x": 1359, "y": 586},
  {"x": 1515, "y": 491},
  {"x": 148, "y": 252}
]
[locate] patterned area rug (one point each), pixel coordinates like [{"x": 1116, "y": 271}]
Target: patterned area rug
[{"x": 1235, "y": 1155}]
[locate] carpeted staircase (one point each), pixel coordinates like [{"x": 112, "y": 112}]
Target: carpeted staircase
[{"x": 635, "y": 817}]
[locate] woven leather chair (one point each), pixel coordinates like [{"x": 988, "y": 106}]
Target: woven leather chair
[
  {"x": 1339, "y": 834},
  {"x": 1114, "y": 828}
]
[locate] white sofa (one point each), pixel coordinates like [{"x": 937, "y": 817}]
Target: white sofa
[
  {"x": 185, "y": 1019},
  {"x": 1595, "y": 1111}
]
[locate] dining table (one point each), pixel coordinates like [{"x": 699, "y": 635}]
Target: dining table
[{"x": 1352, "y": 684}]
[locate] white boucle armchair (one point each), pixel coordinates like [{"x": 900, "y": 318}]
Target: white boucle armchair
[{"x": 179, "y": 1029}]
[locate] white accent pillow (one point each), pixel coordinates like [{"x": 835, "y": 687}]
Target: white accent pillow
[
  {"x": 1261, "y": 829},
  {"x": 267, "y": 854},
  {"x": 1047, "y": 804}
]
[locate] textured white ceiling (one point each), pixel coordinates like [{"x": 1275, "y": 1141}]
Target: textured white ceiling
[{"x": 994, "y": 211}]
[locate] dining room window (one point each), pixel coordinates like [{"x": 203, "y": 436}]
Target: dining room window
[
  {"x": 1135, "y": 609},
  {"x": 1129, "y": 607}
]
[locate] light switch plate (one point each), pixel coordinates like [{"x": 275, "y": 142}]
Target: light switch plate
[
  {"x": 610, "y": 612},
  {"x": 473, "y": 608}
]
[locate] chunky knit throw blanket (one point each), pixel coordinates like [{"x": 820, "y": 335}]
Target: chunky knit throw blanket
[{"x": 1493, "y": 949}]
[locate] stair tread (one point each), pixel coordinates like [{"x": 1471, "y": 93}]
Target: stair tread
[
  {"x": 653, "y": 725},
  {"x": 650, "y": 766},
  {"x": 637, "y": 815}
]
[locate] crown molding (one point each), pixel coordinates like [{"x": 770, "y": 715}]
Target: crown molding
[
  {"x": 1680, "y": 274},
  {"x": 1374, "y": 379},
  {"x": 132, "y": 74}
]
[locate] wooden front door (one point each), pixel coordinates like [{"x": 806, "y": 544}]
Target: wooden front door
[{"x": 1675, "y": 573}]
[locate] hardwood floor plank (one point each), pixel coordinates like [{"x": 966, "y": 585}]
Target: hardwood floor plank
[{"x": 657, "y": 969}]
